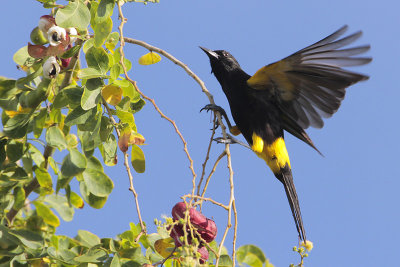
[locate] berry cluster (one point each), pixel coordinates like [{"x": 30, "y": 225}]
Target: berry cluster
[
  {"x": 59, "y": 39},
  {"x": 206, "y": 229}
]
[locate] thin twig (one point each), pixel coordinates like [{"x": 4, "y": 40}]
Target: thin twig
[
  {"x": 207, "y": 156},
  {"x": 234, "y": 230},
  {"x": 206, "y": 199},
  {"x": 212, "y": 172},
  {"x": 231, "y": 200}
]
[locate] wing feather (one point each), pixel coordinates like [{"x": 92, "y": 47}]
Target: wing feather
[{"x": 310, "y": 84}]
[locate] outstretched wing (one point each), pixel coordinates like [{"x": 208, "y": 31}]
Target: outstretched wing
[{"x": 310, "y": 84}]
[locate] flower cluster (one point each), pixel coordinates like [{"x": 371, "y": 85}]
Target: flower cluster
[
  {"x": 206, "y": 229},
  {"x": 59, "y": 39}
]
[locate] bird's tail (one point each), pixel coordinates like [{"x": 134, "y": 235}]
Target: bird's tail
[
  {"x": 277, "y": 158},
  {"x": 285, "y": 176}
]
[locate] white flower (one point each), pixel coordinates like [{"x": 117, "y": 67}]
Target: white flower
[
  {"x": 51, "y": 68},
  {"x": 56, "y": 35},
  {"x": 72, "y": 31},
  {"x": 45, "y": 23}
]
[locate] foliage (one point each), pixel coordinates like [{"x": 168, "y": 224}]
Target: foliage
[{"x": 59, "y": 107}]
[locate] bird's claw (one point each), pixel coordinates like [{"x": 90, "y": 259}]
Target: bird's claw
[{"x": 214, "y": 108}]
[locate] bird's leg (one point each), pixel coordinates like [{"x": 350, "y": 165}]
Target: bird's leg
[
  {"x": 221, "y": 111},
  {"x": 232, "y": 129}
]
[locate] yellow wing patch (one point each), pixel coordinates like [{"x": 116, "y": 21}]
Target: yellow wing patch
[
  {"x": 275, "y": 154},
  {"x": 273, "y": 74}
]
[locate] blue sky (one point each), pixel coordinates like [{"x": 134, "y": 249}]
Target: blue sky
[{"x": 349, "y": 198}]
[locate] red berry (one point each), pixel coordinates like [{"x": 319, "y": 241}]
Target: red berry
[{"x": 204, "y": 254}]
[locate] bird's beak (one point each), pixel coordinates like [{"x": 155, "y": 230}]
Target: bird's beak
[{"x": 211, "y": 54}]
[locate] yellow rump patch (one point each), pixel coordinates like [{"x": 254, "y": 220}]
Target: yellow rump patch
[
  {"x": 275, "y": 154},
  {"x": 258, "y": 143},
  {"x": 273, "y": 74}
]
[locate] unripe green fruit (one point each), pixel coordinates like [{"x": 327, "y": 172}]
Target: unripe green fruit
[{"x": 37, "y": 37}]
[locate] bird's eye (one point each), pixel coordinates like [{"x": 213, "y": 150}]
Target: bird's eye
[{"x": 225, "y": 54}]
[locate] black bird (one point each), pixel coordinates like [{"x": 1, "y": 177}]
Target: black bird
[{"x": 291, "y": 94}]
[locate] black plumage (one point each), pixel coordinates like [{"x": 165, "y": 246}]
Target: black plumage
[{"x": 291, "y": 94}]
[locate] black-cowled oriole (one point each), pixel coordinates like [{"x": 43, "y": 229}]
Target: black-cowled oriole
[{"x": 291, "y": 94}]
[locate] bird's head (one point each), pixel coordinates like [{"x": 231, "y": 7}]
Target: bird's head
[{"x": 221, "y": 61}]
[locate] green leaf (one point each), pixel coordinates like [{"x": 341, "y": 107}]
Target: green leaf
[
  {"x": 149, "y": 58},
  {"x": 91, "y": 93},
  {"x": 62, "y": 182},
  {"x": 33, "y": 98},
  {"x": 88, "y": 44},
  {"x": 250, "y": 255},
  {"x": 105, "y": 10},
  {"x": 97, "y": 58},
  {"x": 138, "y": 161},
  {"x": 115, "y": 71},
  {"x": 112, "y": 41},
  {"x": 60, "y": 204},
  {"x": 106, "y": 128},
  {"x": 94, "y": 164},
  {"x": 30, "y": 239},
  {"x": 74, "y": 94},
  {"x": 55, "y": 115},
  {"x": 44, "y": 178},
  {"x": 90, "y": 73},
  {"x": 21, "y": 56},
  {"x": 71, "y": 52},
  {"x": 115, "y": 261},
  {"x": 78, "y": 116},
  {"x": 94, "y": 201},
  {"x": 109, "y": 151},
  {"x": 117, "y": 58},
  {"x": 93, "y": 255},
  {"x": 72, "y": 140},
  {"x": 15, "y": 150},
  {"x": 3, "y": 153},
  {"x": 39, "y": 122},
  {"x": 128, "y": 90},
  {"x": 75, "y": 14},
  {"x": 47, "y": 214},
  {"x": 73, "y": 164},
  {"x": 101, "y": 31},
  {"x": 225, "y": 261},
  {"x": 36, "y": 155},
  {"x": 76, "y": 200},
  {"x": 19, "y": 198},
  {"x": 135, "y": 254},
  {"x": 61, "y": 100},
  {"x": 55, "y": 138},
  {"x": 87, "y": 239},
  {"x": 97, "y": 182},
  {"x": 126, "y": 117},
  {"x": 17, "y": 126}
]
